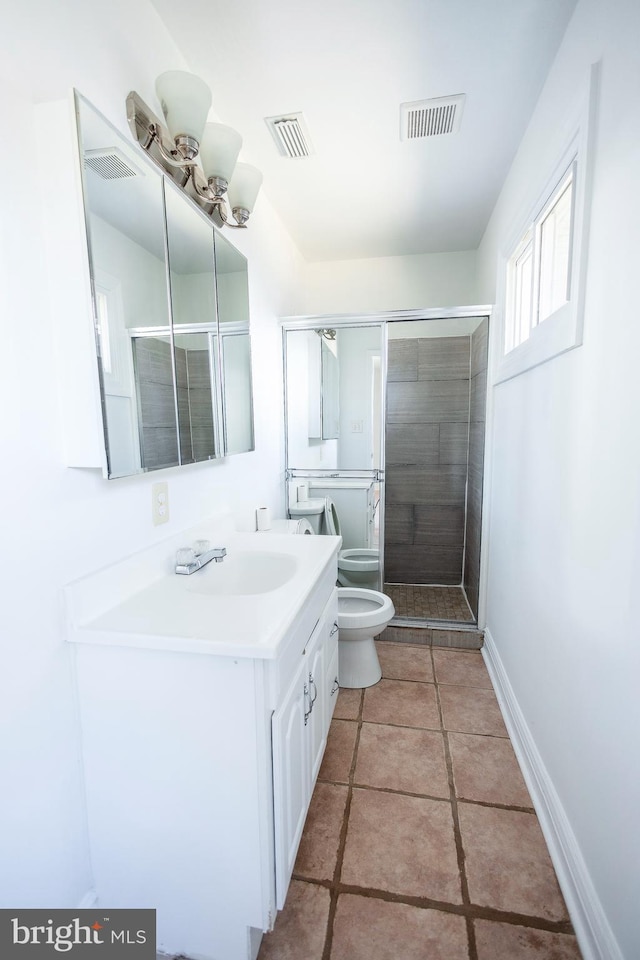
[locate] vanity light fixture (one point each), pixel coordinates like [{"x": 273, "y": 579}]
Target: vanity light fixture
[{"x": 186, "y": 138}]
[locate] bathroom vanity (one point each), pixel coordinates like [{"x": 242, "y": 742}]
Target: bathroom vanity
[{"x": 205, "y": 704}]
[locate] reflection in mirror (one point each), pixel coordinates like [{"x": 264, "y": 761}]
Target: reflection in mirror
[
  {"x": 232, "y": 290},
  {"x": 125, "y": 226},
  {"x": 333, "y": 407},
  {"x": 192, "y": 279},
  {"x": 156, "y": 402},
  {"x": 329, "y": 386},
  {"x": 194, "y": 354}
]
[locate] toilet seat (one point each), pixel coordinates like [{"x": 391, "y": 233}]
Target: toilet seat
[
  {"x": 359, "y": 608},
  {"x": 359, "y": 558}
]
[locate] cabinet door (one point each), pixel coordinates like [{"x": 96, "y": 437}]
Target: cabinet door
[
  {"x": 316, "y": 723},
  {"x": 332, "y": 685},
  {"x": 291, "y": 786}
]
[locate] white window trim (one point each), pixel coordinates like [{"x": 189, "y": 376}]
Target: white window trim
[{"x": 563, "y": 329}]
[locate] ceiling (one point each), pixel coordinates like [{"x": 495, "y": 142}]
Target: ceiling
[{"x": 348, "y": 66}]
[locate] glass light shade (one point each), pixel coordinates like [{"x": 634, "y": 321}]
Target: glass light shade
[
  {"x": 244, "y": 186},
  {"x": 185, "y": 100},
  {"x": 219, "y": 150}
]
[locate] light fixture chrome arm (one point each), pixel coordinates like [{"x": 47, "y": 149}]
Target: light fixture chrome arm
[
  {"x": 154, "y": 139},
  {"x": 169, "y": 156}
]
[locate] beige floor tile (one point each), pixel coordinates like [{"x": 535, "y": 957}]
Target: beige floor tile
[
  {"x": 507, "y": 862},
  {"x": 348, "y": 705},
  {"x": 471, "y": 710},
  {"x": 318, "y": 850},
  {"x": 300, "y": 929},
  {"x": 369, "y": 929},
  {"x": 401, "y": 844},
  {"x": 505, "y": 941},
  {"x": 466, "y": 668},
  {"x": 402, "y": 702},
  {"x": 404, "y": 662},
  {"x": 402, "y": 758},
  {"x": 486, "y": 769},
  {"x": 338, "y": 755}
]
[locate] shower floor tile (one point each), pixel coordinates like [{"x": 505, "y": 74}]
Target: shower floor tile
[
  {"x": 422, "y": 842},
  {"x": 424, "y": 602}
]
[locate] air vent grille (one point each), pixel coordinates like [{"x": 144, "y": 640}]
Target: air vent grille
[
  {"x": 291, "y": 135},
  {"x": 109, "y": 164},
  {"x": 431, "y": 118}
]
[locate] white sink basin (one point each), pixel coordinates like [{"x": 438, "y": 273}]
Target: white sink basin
[{"x": 243, "y": 573}]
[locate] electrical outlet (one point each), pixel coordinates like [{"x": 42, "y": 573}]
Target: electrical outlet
[
  {"x": 357, "y": 426},
  {"x": 159, "y": 503}
]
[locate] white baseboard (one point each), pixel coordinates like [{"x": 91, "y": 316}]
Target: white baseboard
[
  {"x": 89, "y": 900},
  {"x": 595, "y": 936}
]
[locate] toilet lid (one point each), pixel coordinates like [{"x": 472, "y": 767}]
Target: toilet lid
[{"x": 331, "y": 521}]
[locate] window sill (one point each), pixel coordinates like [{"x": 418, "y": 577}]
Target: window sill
[{"x": 555, "y": 335}]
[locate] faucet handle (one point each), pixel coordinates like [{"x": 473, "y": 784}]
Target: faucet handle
[
  {"x": 185, "y": 556},
  {"x": 201, "y": 546}
]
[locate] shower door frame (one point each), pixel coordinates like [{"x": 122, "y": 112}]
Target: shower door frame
[{"x": 318, "y": 321}]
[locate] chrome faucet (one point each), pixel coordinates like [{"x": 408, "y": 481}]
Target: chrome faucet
[{"x": 188, "y": 561}]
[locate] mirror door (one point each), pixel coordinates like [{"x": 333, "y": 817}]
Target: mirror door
[{"x": 192, "y": 285}]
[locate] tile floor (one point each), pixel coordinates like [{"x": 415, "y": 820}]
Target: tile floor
[
  {"x": 421, "y": 842},
  {"x": 424, "y": 602}
]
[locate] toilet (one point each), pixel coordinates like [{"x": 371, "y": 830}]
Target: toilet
[
  {"x": 357, "y": 566},
  {"x": 363, "y": 612},
  {"x": 362, "y": 615}
]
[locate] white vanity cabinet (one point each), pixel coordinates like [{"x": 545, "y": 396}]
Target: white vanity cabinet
[
  {"x": 199, "y": 767},
  {"x": 300, "y": 726}
]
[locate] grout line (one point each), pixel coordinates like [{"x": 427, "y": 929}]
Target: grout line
[
  {"x": 466, "y": 898},
  {"x": 471, "y": 911},
  {"x": 342, "y": 842}
]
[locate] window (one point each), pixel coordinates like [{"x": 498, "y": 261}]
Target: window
[
  {"x": 539, "y": 271},
  {"x": 542, "y": 267}
]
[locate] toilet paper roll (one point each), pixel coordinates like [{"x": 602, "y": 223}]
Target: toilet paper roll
[{"x": 263, "y": 518}]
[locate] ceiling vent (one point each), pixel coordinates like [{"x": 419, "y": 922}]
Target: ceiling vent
[
  {"x": 291, "y": 135},
  {"x": 431, "y": 118},
  {"x": 110, "y": 164}
]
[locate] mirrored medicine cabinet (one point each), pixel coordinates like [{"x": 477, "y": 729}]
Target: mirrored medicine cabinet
[{"x": 171, "y": 313}]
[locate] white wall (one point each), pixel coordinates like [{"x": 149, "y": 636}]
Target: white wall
[
  {"x": 60, "y": 523},
  {"x": 564, "y": 535},
  {"x": 390, "y": 283}
]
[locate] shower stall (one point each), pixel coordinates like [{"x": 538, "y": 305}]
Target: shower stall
[
  {"x": 388, "y": 413},
  {"x": 434, "y": 460}
]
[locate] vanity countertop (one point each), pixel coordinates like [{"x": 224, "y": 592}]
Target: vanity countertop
[{"x": 195, "y": 614}]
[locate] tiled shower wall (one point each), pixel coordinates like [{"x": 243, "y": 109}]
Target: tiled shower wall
[
  {"x": 478, "y": 396},
  {"x": 427, "y": 429},
  {"x": 434, "y": 387}
]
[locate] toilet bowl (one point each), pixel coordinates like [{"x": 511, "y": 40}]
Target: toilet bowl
[
  {"x": 362, "y": 615},
  {"x": 358, "y": 567}
]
